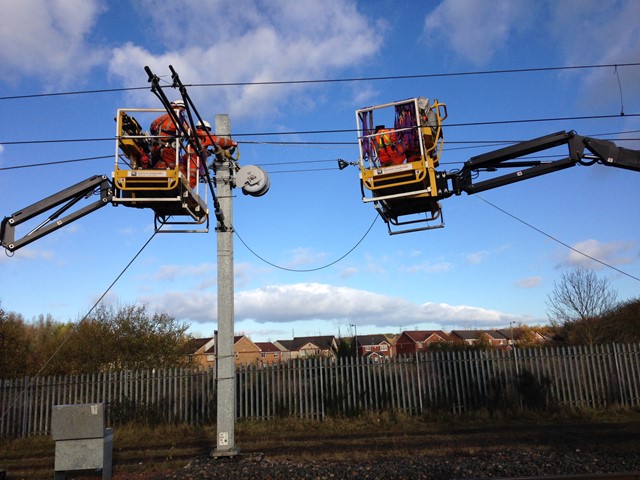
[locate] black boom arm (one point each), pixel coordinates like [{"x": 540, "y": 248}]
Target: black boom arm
[
  {"x": 597, "y": 151},
  {"x": 72, "y": 195}
]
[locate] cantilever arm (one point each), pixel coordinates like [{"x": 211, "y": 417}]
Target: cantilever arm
[
  {"x": 600, "y": 151},
  {"x": 67, "y": 198}
]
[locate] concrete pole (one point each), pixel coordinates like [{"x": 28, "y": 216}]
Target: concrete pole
[{"x": 225, "y": 360}]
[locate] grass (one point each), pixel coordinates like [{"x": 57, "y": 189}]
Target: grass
[{"x": 138, "y": 451}]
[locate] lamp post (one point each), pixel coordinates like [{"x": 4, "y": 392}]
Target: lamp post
[
  {"x": 513, "y": 345},
  {"x": 511, "y": 329},
  {"x": 355, "y": 337}
]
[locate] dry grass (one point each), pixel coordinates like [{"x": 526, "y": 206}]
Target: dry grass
[{"x": 138, "y": 451}]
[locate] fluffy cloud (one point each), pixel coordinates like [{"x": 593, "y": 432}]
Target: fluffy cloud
[
  {"x": 258, "y": 41},
  {"x": 613, "y": 253},
  {"x": 281, "y": 304},
  {"x": 475, "y": 29},
  {"x": 48, "y": 39}
]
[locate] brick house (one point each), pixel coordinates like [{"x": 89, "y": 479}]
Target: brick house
[
  {"x": 524, "y": 336},
  {"x": 416, "y": 341},
  {"x": 201, "y": 352},
  {"x": 269, "y": 353},
  {"x": 245, "y": 350},
  {"x": 302, "y": 347},
  {"x": 367, "y": 345},
  {"x": 474, "y": 337}
]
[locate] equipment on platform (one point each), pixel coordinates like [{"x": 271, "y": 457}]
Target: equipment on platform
[
  {"x": 400, "y": 147},
  {"x": 176, "y": 187}
]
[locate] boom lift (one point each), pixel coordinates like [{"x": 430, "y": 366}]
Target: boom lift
[
  {"x": 167, "y": 192},
  {"x": 407, "y": 193},
  {"x": 178, "y": 196}
]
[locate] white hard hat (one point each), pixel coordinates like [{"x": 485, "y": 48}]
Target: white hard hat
[
  {"x": 177, "y": 103},
  {"x": 204, "y": 124}
]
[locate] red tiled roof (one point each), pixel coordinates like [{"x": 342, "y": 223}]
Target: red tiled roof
[
  {"x": 267, "y": 347},
  {"x": 424, "y": 335}
]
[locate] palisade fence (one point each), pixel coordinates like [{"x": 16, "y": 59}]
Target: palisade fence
[{"x": 454, "y": 381}]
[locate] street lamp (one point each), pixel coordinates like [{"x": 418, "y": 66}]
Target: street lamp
[
  {"x": 513, "y": 346},
  {"x": 355, "y": 337},
  {"x": 511, "y": 324}
]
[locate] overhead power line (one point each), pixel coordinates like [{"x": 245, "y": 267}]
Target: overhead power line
[
  {"x": 586, "y": 255},
  {"x": 333, "y": 131},
  {"x": 338, "y": 80},
  {"x": 465, "y": 145}
]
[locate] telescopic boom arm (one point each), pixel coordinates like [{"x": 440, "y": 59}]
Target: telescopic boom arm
[
  {"x": 597, "y": 151},
  {"x": 98, "y": 184}
]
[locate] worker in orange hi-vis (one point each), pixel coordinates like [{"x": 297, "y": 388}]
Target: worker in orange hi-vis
[
  {"x": 390, "y": 149},
  {"x": 166, "y": 135},
  {"x": 208, "y": 141}
]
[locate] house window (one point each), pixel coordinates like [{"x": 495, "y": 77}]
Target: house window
[
  {"x": 384, "y": 347},
  {"x": 419, "y": 344},
  {"x": 368, "y": 348},
  {"x": 263, "y": 354},
  {"x": 275, "y": 355}
]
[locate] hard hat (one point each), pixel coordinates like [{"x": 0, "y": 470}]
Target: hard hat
[
  {"x": 204, "y": 124},
  {"x": 177, "y": 103}
]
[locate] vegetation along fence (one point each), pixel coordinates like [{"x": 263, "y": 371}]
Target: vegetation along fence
[{"x": 454, "y": 381}]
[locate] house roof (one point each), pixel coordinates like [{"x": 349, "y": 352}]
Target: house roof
[
  {"x": 510, "y": 333},
  {"x": 372, "y": 339},
  {"x": 324, "y": 342},
  {"x": 195, "y": 344},
  {"x": 476, "y": 334},
  {"x": 267, "y": 347},
  {"x": 424, "y": 335},
  {"x": 284, "y": 345}
]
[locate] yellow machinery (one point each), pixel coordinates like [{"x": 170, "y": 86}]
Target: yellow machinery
[
  {"x": 403, "y": 188},
  {"x": 167, "y": 191}
]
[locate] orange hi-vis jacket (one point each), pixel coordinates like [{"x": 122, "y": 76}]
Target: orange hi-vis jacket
[
  {"x": 390, "y": 150},
  {"x": 163, "y": 153},
  {"x": 206, "y": 140},
  {"x": 163, "y": 126},
  {"x": 209, "y": 140}
]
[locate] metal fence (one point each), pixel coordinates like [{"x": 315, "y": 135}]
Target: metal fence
[{"x": 454, "y": 381}]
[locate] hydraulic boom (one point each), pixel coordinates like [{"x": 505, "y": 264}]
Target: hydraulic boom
[{"x": 96, "y": 185}]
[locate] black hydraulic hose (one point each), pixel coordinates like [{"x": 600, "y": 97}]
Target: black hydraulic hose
[{"x": 195, "y": 141}]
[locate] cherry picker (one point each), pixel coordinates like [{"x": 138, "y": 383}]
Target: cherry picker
[
  {"x": 178, "y": 195},
  {"x": 399, "y": 164}
]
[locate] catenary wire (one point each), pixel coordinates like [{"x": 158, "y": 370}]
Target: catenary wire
[
  {"x": 338, "y": 80},
  {"x": 60, "y": 162},
  {"x": 306, "y": 270},
  {"x": 346, "y": 130},
  {"x": 557, "y": 240},
  {"x": 468, "y": 145},
  {"x": 75, "y": 327}
]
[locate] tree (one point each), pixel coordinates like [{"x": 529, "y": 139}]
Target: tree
[
  {"x": 132, "y": 338},
  {"x": 578, "y": 302},
  {"x": 623, "y": 322},
  {"x": 13, "y": 345}
]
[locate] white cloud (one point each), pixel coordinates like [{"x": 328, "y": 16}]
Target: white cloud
[
  {"x": 529, "y": 282},
  {"x": 314, "y": 302},
  {"x": 613, "y": 253},
  {"x": 301, "y": 257},
  {"x": 430, "y": 267},
  {"x": 30, "y": 253},
  {"x": 48, "y": 39},
  {"x": 172, "y": 272},
  {"x": 257, "y": 42},
  {"x": 477, "y": 257},
  {"x": 599, "y": 32},
  {"x": 475, "y": 29}
]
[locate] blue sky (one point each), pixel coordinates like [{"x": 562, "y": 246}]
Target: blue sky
[{"x": 483, "y": 270}]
